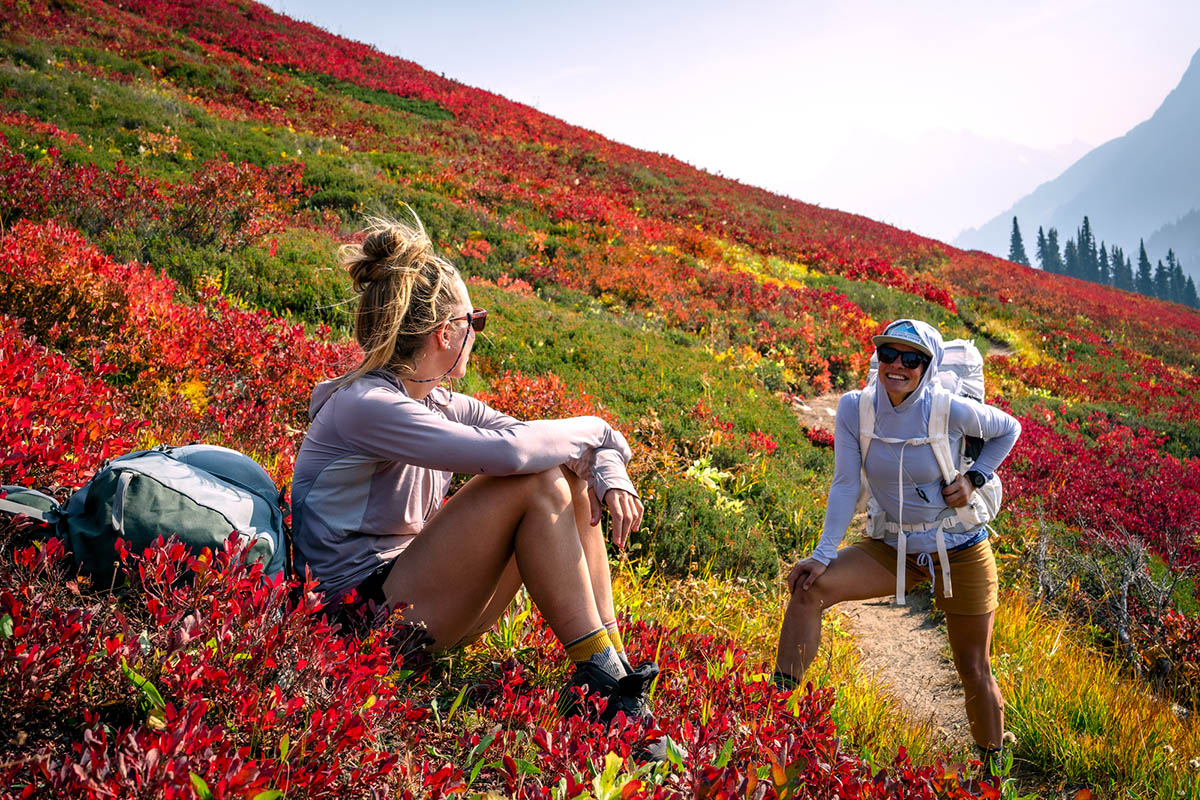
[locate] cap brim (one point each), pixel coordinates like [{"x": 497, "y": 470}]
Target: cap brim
[{"x": 885, "y": 339}]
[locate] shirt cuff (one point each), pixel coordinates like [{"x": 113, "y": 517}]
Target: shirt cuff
[{"x": 608, "y": 472}]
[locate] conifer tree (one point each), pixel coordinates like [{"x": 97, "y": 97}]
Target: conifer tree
[
  {"x": 1041, "y": 248},
  {"x": 1162, "y": 282},
  {"x": 1071, "y": 260},
  {"x": 1053, "y": 254},
  {"x": 1145, "y": 280},
  {"x": 1102, "y": 272},
  {"x": 1122, "y": 270},
  {"x": 1190, "y": 298},
  {"x": 1178, "y": 280},
  {"x": 1086, "y": 264},
  {"x": 1016, "y": 247}
]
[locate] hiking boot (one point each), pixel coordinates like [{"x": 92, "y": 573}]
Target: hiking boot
[
  {"x": 633, "y": 700},
  {"x": 632, "y": 691},
  {"x": 595, "y": 682},
  {"x": 627, "y": 694}
]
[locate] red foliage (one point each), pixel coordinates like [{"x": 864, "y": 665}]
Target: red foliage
[
  {"x": 1134, "y": 320},
  {"x": 819, "y": 436},
  {"x": 257, "y": 691},
  {"x": 56, "y": 424},
  {"x": 211, "y": 371},
  {"x": 1114, "y": 482},
  {"x": 541, "y": 397},
  {"x": 225, "y": 205},
  {"x": 245, "y": 685}
]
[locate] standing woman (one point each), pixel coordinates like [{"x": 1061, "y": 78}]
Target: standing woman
[
  {"x": 371, "y": 478},
  {"x": 906, "y": 481}
]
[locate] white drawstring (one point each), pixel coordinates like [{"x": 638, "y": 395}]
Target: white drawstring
[
  {"x": 901, "y": 541},
  {"x": 925, "y": 560}
]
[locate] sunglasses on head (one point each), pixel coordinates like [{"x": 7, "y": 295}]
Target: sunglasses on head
[
  {"x": 908, "y": 358},
  {"x": 476, "y": 318}
]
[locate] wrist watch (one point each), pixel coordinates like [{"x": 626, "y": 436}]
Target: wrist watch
[{"x": 976, "y": 478}]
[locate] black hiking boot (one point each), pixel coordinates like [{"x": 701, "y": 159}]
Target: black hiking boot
[
  {"x": 633, "y": 699},
  {"x": 594, "y": 682},
  {"x": 627, "y": 694},
  {"x": 632, "y": 691}
]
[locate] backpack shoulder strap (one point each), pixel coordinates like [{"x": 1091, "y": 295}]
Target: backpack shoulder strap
[
  {"x": 939, "y": 434},
  {"x": 866, "y": 419}
]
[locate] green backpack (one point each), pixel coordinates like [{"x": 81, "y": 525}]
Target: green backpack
[{"x": 199, "y": 493}]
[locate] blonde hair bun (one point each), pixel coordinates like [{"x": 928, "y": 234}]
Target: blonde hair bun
[
  {"x": 406, "y": 290},
  {"x": 389, "y": 247}
]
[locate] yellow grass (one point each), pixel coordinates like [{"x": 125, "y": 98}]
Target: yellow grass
[
  {"x": 866, "y": 716},
  {"x": 1080, "y": 721}
]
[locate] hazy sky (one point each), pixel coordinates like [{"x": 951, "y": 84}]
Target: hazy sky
[{"x": 931, "y": 114}]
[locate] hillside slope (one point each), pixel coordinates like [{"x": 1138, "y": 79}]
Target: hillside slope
[{"x": 177, "y": 177}]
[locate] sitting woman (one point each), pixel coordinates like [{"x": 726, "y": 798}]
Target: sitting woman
[
  {"x": 369, "y": 492},
  {"x": 906, "y": 480}
]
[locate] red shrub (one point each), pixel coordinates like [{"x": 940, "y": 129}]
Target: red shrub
[
  {"x": 541, "y": 397},
  {"x": 56, "y": 424}
]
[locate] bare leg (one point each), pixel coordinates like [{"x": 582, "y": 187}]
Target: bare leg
[
  {"x": 506, "y": 590},
  {"x": 853, "y": 575},
  {"x": 971, "y": 643},
  {"x": 450, "y": 574},
  {"x": 591, "y": 538}
]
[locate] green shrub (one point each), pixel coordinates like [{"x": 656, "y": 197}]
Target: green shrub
[
  {"x": 686, "y": 531},
  {"x": 885, "y": 303},
  {"x": 410, "y": 105},
  {"x": 771, "y": 503}
]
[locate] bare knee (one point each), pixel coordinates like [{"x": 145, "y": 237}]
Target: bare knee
[
  {"x": 808, "y": 601},
  {"x": 577, "y": 484},
  {"x": 548, "y": 490},
  {"x": 975, "y": 673}
]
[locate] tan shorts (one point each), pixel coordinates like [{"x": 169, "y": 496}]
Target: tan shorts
[{"x": 972, "y": 573}]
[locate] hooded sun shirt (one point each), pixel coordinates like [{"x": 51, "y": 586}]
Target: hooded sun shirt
[
  {"x": 376, "y": 465},
  {"x": 920, "y": 489}
]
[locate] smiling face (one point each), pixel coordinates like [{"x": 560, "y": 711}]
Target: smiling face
[{"x": 897, "y": 380}]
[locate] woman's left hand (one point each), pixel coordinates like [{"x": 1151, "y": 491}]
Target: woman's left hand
[
  {"x": 958, "y": 492},
  {"x": 625, "y": 509}
]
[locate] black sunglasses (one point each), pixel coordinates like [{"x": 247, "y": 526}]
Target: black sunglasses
[
  {"x": 476, "y": 318},
  {"x": 908, "y": 359}
]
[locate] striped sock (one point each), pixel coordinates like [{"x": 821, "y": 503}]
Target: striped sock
[
  {"x": 598, "y": 649},
  {"x": 614, "y": 636}
]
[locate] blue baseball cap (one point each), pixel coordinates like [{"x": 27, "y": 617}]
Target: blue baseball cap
[{"x": 902, "y": 331}]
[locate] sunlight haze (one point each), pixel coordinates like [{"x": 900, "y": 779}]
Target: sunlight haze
[{"x": 933, "y": 116}]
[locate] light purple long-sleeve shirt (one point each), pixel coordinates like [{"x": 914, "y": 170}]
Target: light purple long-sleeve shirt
[
  {"x": 376, "y": 464},
  {"x": 919, "y": 486}
]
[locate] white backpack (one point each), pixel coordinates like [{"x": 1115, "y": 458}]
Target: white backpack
[{"x": 959, "y": 372}]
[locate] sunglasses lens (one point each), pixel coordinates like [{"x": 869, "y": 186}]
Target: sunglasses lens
[
  {"x": 478, "y": 319},
  {"x": 908, "y": 359}
]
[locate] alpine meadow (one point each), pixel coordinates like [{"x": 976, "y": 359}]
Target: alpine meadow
[{"x": 176, "y": 179}]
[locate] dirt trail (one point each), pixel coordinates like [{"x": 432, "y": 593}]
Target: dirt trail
[{"x": 902, "y": 644}]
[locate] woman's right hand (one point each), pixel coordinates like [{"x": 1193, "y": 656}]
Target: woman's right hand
[{"x": 804, "y": 573}]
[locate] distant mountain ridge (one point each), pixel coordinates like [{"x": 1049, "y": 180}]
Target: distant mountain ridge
[{"x": 1145, "y": 184}]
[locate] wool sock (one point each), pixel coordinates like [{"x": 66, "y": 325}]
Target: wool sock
[
  {"x": 614, "y": 636},
  {"x": 597, "y": 649}
]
